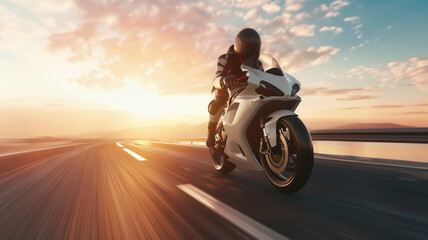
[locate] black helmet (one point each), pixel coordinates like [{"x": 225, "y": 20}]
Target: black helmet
[
  {"x": 247, "y": 43},
  {"x": 231, "y": 49}
]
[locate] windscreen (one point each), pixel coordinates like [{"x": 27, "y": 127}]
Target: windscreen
[{"x": 265, "y": 63}]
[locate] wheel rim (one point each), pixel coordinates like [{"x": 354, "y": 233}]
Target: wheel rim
[
  {"x": 278, "y": 159},
  {"x": 217, "y": 152},
  {"x": 218, "y": 159},
  {"x": 281, "y": 163}
]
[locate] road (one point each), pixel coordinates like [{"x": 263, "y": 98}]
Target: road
[{"x": 97, "y": 190}]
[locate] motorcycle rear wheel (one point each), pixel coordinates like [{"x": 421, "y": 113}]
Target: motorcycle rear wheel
[
  {"x": 289, "y": 165},
  {"x": 220, "y": 162}
]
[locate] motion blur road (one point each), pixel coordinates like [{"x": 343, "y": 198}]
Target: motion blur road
[{"x": 98, "y": 190}]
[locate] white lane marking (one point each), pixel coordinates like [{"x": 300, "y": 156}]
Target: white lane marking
[
  {"x": 39, "y": 149},
  {"x": 118, "y": 144},
  {"x": 138, "y": 157},
  {"x": 243, "y": 222},
  {"x": 372, "y": 163}
]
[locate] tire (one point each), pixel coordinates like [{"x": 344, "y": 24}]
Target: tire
[
  {"x": 299, "y": 160},
  {"x": 220, "y": 162},
  {"x": 219, "y": 159}
]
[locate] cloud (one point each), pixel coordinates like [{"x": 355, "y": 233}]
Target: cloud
[
  {"x": 17, "y": 33},
  {"x": 414, "y": 69},
  {"x": 99, "y": 81},
  {"x": 181, "y": 37},
  {"x": 299, "y": 17},
  {"x": 298, "y": 60},
  {"x": 293, "y": 5},
  {"x": 332, "y": 10},
  {"x": 345, "y": 94},
  {"x": 317, "y": 91},
  {"x": 78, "y": 41},
  {"x": 333, "y": 29},
  {"x": 363, "y": 71},
  {"x": 58, "y": 6},
  {"x": 251, "y": 15},
  {"x": 271, "y": 8},
  {"x": 356, "y": 97},
  {"x": 303, "y": 30},
  {"x": 357, "y": 27},
  {"x": 172, "y": 47},
  {"x": 279, "y": 22},
  {"x": 350, "y": 90},
  {"x": 239, "y": 3},
  {"x": 388, "y": 106},
  {"x": 391, "y": 106},
  {"x": 277, "y": 30},
  {"x": 353, "y": 20},
  {"x": 275, "y": 40},
  {"x": 347, "y": 108},
  {"x": 416, "y": 112},
  {"x": 55, "y": 105}
]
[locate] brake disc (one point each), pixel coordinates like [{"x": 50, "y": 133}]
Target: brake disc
[{"x": 281, "y": 165}]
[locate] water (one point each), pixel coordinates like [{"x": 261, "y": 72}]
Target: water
[{"x": 396, "y": 151}]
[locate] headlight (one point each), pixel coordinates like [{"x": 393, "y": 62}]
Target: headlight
[{"x": 295, "y": 89}]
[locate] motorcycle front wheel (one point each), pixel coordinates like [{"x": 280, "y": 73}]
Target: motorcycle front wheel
[{"x": 288, "y": 165}]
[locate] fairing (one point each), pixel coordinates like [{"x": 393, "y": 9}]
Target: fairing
[{"x": 247, "y": 105}]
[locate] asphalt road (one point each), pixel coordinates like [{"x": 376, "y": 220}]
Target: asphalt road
[{"x": 97, "y": 190}]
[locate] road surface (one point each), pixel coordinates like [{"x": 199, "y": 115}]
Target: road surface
[{"x": 99, "y": 190}]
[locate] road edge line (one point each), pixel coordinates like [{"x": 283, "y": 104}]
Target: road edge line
[
  {"x": 39, "y": 149},
  {"x": 372, "y": 163}
]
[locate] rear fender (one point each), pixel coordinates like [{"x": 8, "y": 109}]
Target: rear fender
[{"x": 270, "y": 126}]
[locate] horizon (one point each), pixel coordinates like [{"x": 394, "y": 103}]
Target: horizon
[
  {"x": 72, "y": 67},
  {"x": 118, "y": 134}
]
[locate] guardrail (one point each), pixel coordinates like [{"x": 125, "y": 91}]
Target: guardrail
[{"x": 398, "y": 135}]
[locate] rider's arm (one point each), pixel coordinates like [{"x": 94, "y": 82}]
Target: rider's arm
[
  {"x": 216, "y": 83},
  {"x": 222, "y": 70}
]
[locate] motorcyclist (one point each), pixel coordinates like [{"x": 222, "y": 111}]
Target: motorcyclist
[{"x": 229, "y": 75}]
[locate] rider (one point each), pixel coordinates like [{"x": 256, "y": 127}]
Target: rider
[{"x": 229, "y": 75}]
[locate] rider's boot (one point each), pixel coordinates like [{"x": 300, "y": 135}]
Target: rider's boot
[{"x": 211, "y": 134}]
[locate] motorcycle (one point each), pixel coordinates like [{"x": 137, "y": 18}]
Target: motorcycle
[{"x": 260, "y": 130}]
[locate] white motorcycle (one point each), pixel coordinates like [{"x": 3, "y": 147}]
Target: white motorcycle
[{"x": 260, "y": 129}]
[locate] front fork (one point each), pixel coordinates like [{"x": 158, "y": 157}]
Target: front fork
[{"x": 265, "y": 147}]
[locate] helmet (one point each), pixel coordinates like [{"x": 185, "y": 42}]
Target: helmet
[
  {"x": 231, "y": 49},
  {"x": 247, "y": 43}
]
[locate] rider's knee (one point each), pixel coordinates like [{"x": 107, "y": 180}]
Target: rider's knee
[{"x": 216, "y": 104}]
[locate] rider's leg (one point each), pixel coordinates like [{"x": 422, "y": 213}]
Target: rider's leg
[{"x": 215, "y": 108}]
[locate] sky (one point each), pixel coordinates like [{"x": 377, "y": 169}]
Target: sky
[{"x": 72, "y": 66}]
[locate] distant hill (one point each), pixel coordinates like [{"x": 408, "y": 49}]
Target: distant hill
[
  {"x": 155, "y": 132},
  {"x": 183, "y": 131},
  {"x": 371, "y": 126},
  {"x": 93, "y": 134}
]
